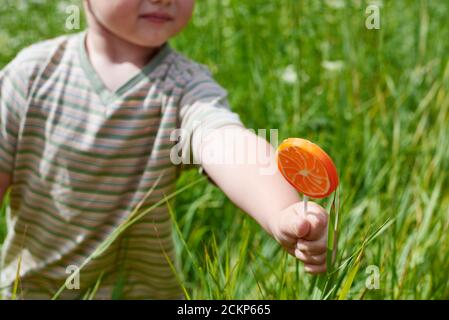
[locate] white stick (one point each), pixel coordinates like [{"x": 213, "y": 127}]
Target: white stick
[{"x": 305, "y": 200}]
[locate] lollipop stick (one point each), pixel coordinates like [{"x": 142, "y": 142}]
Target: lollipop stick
[{"x": 305, "y": 200}]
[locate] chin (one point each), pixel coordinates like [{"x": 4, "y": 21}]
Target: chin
[{"x": 152, "y": 41}]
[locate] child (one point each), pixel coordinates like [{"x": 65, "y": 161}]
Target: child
[{"x": 85, "y": 132}]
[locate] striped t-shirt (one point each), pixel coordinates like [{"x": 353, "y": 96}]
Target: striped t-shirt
[{"x": 82, "y": 157}]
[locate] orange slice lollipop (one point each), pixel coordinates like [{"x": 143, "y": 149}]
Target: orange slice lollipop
[{"x": 307, "y": 167}]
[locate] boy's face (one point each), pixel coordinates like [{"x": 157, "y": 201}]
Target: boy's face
[{"x": 148, "y": 23}]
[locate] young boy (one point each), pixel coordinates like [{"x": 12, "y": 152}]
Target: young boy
[{"x": 85, "y": 132}]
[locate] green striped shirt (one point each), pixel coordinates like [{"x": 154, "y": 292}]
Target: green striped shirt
[{"x": 82, "y": 157}]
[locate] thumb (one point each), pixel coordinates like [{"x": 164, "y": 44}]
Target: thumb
[
  {"x": 317, "y": 225},
  {"x": 303, "y": 227},
  {"x": 316, "y": 218},
  {"x": 293, "y": 224},
  {"x": 300, "y": 225}
]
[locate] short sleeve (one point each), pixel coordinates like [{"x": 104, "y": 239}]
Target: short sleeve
[
  {"x": 204, "y": 107},
  {"x": 10, "y": 102},
  {"x": 17, "y": 81}
]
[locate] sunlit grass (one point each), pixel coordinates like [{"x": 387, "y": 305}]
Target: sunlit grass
[{"x": 376, "y": 100}]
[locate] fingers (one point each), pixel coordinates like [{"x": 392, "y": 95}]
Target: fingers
[
  {"x": 312, "y": 247},
  {"x": 304, "y": 236},
  {"x": 309, "y": 259},
  {"x": 315, "y": 269},
  {"x": 314, "y": 264},
  {"x": 313, "y": 254}
]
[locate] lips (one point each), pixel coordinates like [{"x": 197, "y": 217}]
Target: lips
[{"x": 157, "y": 17}]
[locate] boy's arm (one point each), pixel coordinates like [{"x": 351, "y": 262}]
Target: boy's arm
[
  {"x": 260, "y": 195},
  {"x": 268, "y": 198}
]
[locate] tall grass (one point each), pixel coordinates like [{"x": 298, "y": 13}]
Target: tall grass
[{"x": 376, "y": 100}]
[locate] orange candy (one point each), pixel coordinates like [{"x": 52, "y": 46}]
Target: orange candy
[{"x": 307, "y": 167}]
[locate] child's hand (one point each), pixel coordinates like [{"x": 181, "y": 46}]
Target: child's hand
[{"x": 303, "y": 236}]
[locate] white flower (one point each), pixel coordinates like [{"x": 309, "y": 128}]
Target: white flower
[
  {"x": 289, "y": 75},
  {"x": 333, "y": 66}
]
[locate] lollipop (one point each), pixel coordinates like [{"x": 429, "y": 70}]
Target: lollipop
[{"x": 307, "y": 168}]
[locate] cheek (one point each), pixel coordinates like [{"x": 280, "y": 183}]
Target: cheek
[
  {"x": 116, "y": 13},
  {"x": 185, "y": 10}
]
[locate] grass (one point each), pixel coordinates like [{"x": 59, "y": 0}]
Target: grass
[{"x": 376, "y": 100}]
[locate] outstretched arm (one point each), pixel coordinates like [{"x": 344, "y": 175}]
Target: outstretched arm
[{"x": 268, "y": 198}]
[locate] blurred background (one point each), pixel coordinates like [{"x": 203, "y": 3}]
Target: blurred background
[{"x": 377, "y": 100}]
